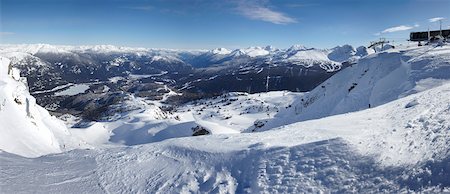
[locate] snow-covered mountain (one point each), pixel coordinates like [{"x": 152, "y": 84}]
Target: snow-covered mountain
[{"x": 198, "y": 58}]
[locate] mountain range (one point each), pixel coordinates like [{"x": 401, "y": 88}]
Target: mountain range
[
  {"x": 109, "y": 73},
  {"x": 379, "y": 123}
]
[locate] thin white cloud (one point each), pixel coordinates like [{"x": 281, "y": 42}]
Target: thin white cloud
[
  {"x": 301, "y": 5},
  {"x": 6, "y": 33},
  {"x": 435, "y": 19},
  {"x": 141, "y": 8},
  {"x": 397, "y": 29},
  {"x": 258, "y": 11}
]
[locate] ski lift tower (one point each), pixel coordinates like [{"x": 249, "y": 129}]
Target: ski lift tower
[
  {"x": 268, "y": 74},
  {"x": 381, "y": 42}
]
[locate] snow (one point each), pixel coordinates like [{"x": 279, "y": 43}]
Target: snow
[
  {"x": 362, "y": 51},
  {"x": 308, "y": 58},
  {"x": 309, "y": 55},
  {"x": 221, "y": 51},
  {"x": 255, "y": 51},
  {"x": 54, "y": 89},
  {"x": 118, "y": 61},
  {"x": 427, "y": 83},
  {"x": 28, "y": 129},
  {"x": 381, "y": 125},
  {"x": 342, "y": 53},
  {"x": 328, "y": 59},
  {"x": 95, "y": 134},
  {"x": 135, "y": 76},
  {"x": 296, "y": 47},
  {"x": 73, "y": 90},
  {"x": 384, "y": 149},
  {"x": 393, "y": 131},
  {"x": 105, "y": 89},
  {"x": 115, "y": 79},
  {"x": 35, "y": 48},
  {"x": 376, "y": 79},
  {"x": 143, "y": 121},
  {"x": 165, "y": 59}
]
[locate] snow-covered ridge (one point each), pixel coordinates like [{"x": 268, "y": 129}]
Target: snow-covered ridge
[
  {"x": 26, "y": 128},
  {"x": 220, "y": 51},
  {"x": 47, "y": 48},
  {"x": 296, "y": 54}
]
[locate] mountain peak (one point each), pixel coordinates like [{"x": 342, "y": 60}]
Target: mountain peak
[
  {"x": 297, "y": 47},
  {"x": 221, "y": 51}
]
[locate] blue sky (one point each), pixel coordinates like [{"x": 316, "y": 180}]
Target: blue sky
[{"x": 206, "y": 24}]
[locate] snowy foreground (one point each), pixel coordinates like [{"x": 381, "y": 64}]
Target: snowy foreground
[{"x": 327, "y": 140}]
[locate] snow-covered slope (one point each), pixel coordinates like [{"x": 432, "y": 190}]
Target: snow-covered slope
[
  {"x": 311, "y": 57},
  {"x": 374, "y": 80},
  {"x": 341, "y": 53},
  {"x": 328, "y": 59},
  {"x": 140, "y": 121},
  {"x": 401, "y": 146},
  {"x": 26, "y": 128}
]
